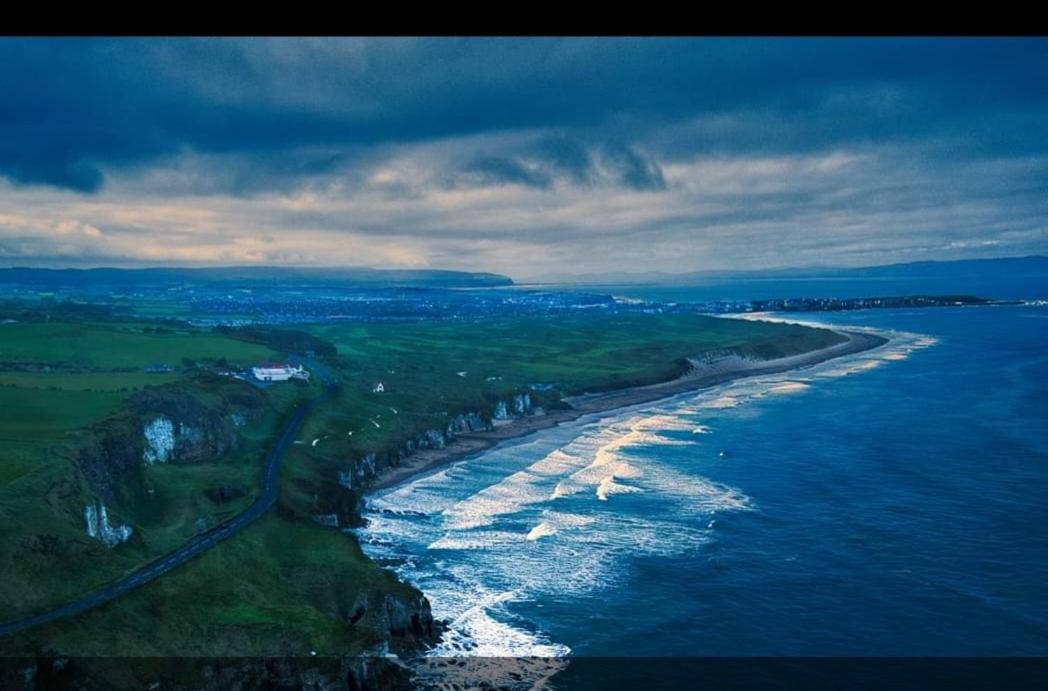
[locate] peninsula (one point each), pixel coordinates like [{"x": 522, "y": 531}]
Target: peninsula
[{"x": 177, "y": 460}]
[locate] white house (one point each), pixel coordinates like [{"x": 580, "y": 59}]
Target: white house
[{"x": 278, "y": 371}]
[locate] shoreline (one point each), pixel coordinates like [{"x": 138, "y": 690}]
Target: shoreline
[{"x": 469, "y": 444}]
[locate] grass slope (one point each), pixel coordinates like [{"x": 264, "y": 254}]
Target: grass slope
[
  {"x": 284, "y": 585},
  {"x": 431, "y": 370},
  {"x": 42, "y": 496}
]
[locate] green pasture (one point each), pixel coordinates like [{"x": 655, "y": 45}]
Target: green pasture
[
  {"x": 283, "y": 586},
  {"x": 115, "y": 346},
  {"x": 433, "y": 370}
]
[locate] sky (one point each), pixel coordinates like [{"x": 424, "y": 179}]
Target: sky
[{"x": 534, "y": 157}]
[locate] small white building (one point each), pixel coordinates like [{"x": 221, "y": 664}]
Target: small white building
[
  {"x": 278, "y": 371},
  {"x": 378, "y": 388}
]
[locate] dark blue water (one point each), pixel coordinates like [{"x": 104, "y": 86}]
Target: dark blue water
[{"x": 893, "y": 503}]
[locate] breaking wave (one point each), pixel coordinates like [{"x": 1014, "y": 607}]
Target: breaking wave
[{"x": 568, "y": 511}]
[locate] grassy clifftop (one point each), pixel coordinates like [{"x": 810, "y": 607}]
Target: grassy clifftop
[
  {"x": 433, "y": 370},
  {"x": 81, "y": 398},
  {"x": 285, "y": 585}
]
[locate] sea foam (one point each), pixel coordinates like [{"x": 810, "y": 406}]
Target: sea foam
[{"x": 537, "y": 519}]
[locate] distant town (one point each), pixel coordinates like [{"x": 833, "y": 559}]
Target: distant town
[{"x": 205, "y": 305}]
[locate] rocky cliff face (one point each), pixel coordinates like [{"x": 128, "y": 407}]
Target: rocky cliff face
[
  {"x": 469, "y": 422},
  {"x": 518, "y": 405},
  {"x": 167, "y": 424},
  {"x": 98, "y": 526},
  {"x": 339, "y": 504},
  {"x": 109, "y": 453},
  {"x": 405, "y": 620},
  {"x": 176, "y": 426},
  {"x": 521, "y": 404}
]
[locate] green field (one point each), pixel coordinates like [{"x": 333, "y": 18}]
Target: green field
[
  {"x": 285, "y": 584},
  {"x": 89, "y": 381},
  {"x": 278, "y": 588},
  {"x": 38, "y": 419},
  {"x": 42, "y": 494},
  {"x": 116, "y": 346},
  {"x": 431, "y": 370}
]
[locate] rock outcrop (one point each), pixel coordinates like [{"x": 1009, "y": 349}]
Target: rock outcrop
[
  {"x": 517, "y": 406},
  {"x": 108, "y": 453},
  {"x": 341, "y": 496},
  {"x": 98, "y": 526},
  {"x": 432, "y": 439},
  {"x": 178, "y": 427},
  {"x": 166, "y": 424},
  {"x": 329, "y": 520},
  {"x": 521, "y": 404},
  {"x": 468, "y": 422},
  {"x": 406, "y": 619}
]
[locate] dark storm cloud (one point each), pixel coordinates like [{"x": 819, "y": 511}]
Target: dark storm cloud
[
  {"x": 74, "y": 108},
  {"x": 566, "y": 157},
  {"x": 542, "y": 164},
  {"x": 491, "y": 170},
  {"x": 519, "y": 155},
  {"x": 634, "y": 169}
]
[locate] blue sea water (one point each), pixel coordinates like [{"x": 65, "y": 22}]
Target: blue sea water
[{"x": 889, "y": 503}]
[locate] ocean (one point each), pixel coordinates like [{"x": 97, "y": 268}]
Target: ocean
[{"x": 891, "y": 503}]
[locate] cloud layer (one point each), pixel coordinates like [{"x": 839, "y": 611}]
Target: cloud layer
[{"x": 525, "y": 156}]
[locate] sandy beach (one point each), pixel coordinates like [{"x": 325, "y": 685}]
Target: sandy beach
[{"x": 701, "y": 377}]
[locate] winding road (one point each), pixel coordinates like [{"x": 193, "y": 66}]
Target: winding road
[{"x": 197, "y": 545}]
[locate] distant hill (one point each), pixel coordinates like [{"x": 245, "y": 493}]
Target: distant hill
[
  {"x": 1010, "y": 267},
  {"x": 251, "y": 275},
  {"x": 1004, "y": 266}
]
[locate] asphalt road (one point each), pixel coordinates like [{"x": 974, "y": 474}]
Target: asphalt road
[{"x": 197, "y": 545}]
